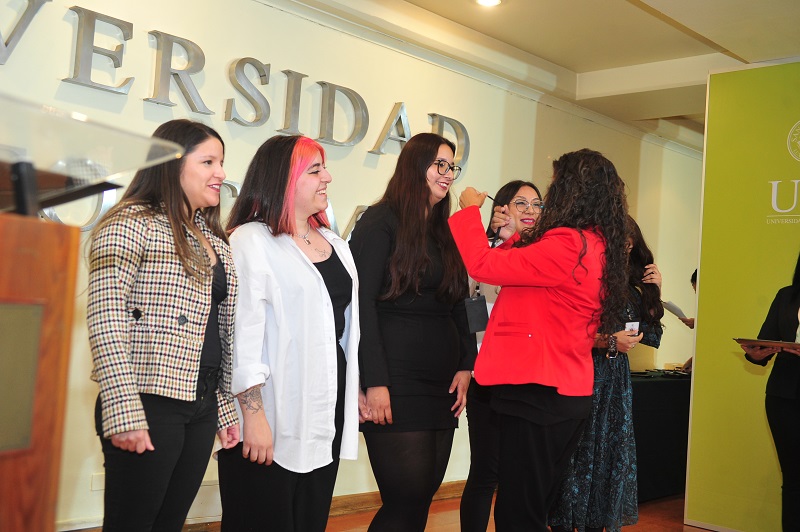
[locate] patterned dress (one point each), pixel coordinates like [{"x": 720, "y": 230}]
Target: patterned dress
[{"x": 599, "y": 489}]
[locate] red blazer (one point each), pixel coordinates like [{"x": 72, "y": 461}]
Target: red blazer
[{"x": 544, "y": 321}]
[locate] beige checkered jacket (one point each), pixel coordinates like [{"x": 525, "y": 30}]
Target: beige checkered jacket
[{"x": 147, "y": 318}]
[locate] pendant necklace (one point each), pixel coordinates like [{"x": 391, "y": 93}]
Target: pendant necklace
[{"x": 305, "y": 236}]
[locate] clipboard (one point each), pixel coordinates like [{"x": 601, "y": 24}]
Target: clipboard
[{"x": 776, "y": 344}]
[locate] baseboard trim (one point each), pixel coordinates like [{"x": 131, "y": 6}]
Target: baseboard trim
[
  {"x": 362, "y": 502},
  {"x": 341, "y": 505}
]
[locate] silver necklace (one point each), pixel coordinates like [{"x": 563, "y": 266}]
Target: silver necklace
[{"x": 305, "y": 236}]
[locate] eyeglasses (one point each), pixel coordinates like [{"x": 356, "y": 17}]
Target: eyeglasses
[
  {"x": 523, "y": 205},
  {"x": 443, "y": 167}
]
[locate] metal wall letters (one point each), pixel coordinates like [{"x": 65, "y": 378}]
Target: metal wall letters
[{"x": 396, "y": 128}]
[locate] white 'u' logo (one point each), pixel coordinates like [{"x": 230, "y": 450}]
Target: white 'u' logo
[{"x": 775, "y": 196}]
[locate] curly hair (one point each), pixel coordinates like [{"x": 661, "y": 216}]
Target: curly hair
[
  {"x": 408, "y": 196},
  {"x": 587, "y": 194},
  {"x": 652, "y": 309}
]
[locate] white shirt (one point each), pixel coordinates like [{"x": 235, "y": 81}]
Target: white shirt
[{"x": 285, "y": 338}]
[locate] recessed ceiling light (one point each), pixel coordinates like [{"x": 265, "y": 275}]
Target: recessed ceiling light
[{"x": 489, "y": 3}]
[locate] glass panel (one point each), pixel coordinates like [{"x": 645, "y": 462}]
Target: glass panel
[{"x": 68, "y": 151}]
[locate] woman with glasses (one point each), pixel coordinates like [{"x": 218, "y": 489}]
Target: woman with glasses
[
  {"x": 416, "y": 351},
  {"x": 562, "y": 280},
  {"x": 517, "y": 206},
  {"x": 599, "y": 490}
]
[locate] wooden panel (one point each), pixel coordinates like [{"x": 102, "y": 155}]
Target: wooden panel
[{"x": 38, "y": 262}]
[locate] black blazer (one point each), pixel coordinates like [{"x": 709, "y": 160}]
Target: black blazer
[{"x": 781, "y": 324}]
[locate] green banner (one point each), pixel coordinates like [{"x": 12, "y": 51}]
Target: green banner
[{"x": 749, "y": 246}]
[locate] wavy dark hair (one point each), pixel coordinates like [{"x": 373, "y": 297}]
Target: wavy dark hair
[
  {"x": 408, "y": 196},
  {"x": 159, "y": 190},
  {"x": 269, "y": 185},
  {"x": 796, "y": 279},
  {"x": 504, "y": 196},
  {"x": 652, "y": 309},
  {"x": 587, "y": 194}
]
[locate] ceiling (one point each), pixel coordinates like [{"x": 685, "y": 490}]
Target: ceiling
[{"x": 643, "y": 62}]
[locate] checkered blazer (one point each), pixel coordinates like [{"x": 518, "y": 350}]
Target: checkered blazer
[{"x": 147, "y": 318}]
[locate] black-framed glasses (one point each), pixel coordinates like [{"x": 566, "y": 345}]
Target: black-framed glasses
[
  {"x": 443, "y": 167},
  {"x": 523, "y": 205}
]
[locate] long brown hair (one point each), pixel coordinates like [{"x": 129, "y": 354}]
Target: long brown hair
[
  {"x": 587, "y": 194},
  {"x": 158, "y": 189},
  {"x": 408, "y": 196}
]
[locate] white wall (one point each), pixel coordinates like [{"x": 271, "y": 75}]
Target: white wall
[{"x": 515, "y": 133}]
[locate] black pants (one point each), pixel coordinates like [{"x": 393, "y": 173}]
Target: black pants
[
  {"x": 409, "y": 468},
  {"x": 533, "y": 459},
  {"x": 484, "y": 453},
  {"x": 154, "y": 490},
  {"x": 784, "y": 423},
  {"x": 258, "y": 497}
]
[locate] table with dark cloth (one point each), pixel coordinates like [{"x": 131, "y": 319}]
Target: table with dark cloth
[{"x": 661, "y": 428}]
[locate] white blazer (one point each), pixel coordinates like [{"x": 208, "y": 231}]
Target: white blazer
[{"x": 286, "y": 339}]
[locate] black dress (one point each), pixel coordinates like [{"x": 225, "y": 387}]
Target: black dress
[{"x": 414, "y": 344}]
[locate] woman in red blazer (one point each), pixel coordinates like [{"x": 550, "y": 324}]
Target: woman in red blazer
[{"x": 561, "y": 280}]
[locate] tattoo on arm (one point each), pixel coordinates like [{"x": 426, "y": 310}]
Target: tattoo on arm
[{"x": 250, "y": 399}]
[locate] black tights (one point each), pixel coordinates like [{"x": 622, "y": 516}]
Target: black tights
[
  {"x": 484, "y": 451},
  {"x": 586, "y": 529},
  {"x": 408, "y": 467}
]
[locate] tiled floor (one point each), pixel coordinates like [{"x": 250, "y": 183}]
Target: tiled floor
[{"x": 663, "y": 515}]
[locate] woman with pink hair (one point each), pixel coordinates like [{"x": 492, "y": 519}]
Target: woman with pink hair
[{"x": 295, "y": 363}]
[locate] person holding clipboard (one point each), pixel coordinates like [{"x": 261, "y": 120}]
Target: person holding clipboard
[{"x": 783, "y": 389}]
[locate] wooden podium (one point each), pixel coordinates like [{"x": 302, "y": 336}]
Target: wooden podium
[
  {"x": 38, "y": 264},
  {"x": 47, "y": 157}
]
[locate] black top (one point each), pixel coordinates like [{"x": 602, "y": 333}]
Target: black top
[
  {"x": 416, "y": 343},
  {"x": 781, "y": 324},
  {"x": 340, "y": 288},
  {"x": 211, "y": 355}
]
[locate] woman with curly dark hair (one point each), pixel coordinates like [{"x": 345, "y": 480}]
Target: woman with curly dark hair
[
  {"x": 562, "y": 280},
  {"x": 599, "y": 491},
  {"x": 416, "y": 351}
]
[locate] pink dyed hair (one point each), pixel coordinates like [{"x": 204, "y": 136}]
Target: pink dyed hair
[{"x": 305, "y": 150}]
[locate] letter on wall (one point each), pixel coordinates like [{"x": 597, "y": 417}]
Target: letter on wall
[
  {"x": 6, "y": 47},
  {"x": 398, "y": 120},
  {"x": 360, "y": 115},
  {"x": 195, "y": 62},
  {"x": 462, "y": 137},
  {"x": 242, "y": 83},
  {"x": 291, "y": 115},
  {"x": 85, "y": 49}
]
